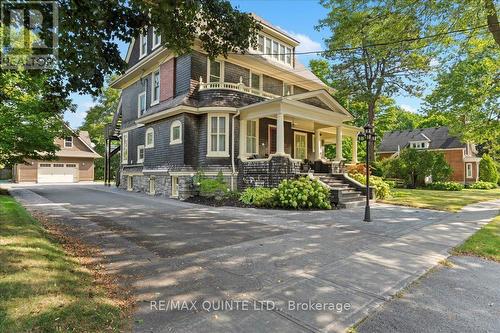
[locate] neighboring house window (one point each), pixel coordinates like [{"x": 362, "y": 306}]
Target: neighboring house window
[
  {"x": 252, "y": 136},
  {"x": 176, "y": 132},
  {"x": 124, "y": 148},
  {"x": 156, "y": 39},
  {"x": 140, "y": 153},
  {"x": 256, "y": 82},
  {"x": 143, "y": 45},
  {"x": 44, "y": 165},
  {"x": 150, "y": 138},
  {"x": 300, "y": 143},
  {"x": 287, "y": 89},
  {"x": 260, "y": 44},
  {"x": 420, "y": 145},
  {"x": 468, "y": 167},
  {"x": 175, "y": 186},
  {"x": 155, "y": 87},
  {"x": 68, "y": 142},
  {"x": 215, "y": 71},
  {"x": 218, "y": 133},
  {"x": 141, "y": 104}
]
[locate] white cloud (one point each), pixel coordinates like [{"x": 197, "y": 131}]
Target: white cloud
[{"x": 408, "y": 108}]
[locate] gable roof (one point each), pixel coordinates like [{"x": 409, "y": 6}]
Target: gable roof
[{"x": 439, "y": 138}]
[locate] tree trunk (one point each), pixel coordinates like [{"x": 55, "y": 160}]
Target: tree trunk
[
  {"x": 371, "y": 120},
  {"x": 492, "y": 19}
]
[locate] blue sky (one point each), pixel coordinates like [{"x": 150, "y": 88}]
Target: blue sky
[{"x": 298, "y": 17}]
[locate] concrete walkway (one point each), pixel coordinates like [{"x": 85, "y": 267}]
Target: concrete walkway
[
  {"x": 461, "y": 298},
  {"x": 178, "y": 251}
]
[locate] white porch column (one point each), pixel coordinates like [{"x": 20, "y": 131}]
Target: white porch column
[
  {"x": 354, "y": 149},
  {"x": 243, "y": 135},
  {"x": 317, "y": 145},
  {"x": 338, "y": 145},
  {"x": 280, "y": 134}
]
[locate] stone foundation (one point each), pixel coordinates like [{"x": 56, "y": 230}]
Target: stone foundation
[{"x": 267, "y": 172}]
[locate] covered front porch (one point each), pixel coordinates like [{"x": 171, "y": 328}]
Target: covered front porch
[{"x": 298, "y": 126}]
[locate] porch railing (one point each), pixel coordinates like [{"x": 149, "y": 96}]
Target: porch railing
[{"x": 235, "y": 86}]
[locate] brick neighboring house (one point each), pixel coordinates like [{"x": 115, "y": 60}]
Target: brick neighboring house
[
  {"x": 256, "y": 117},
  {"x": 74, "y": 163},
  {"x": 462, "y": 157}
]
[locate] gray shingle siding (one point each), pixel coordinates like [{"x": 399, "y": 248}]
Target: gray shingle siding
[
  {"x": 135, "y": 138},
  {"x": 163, "y": 154},
  {"x": 134, "y": 55},
  {"x": 272, "y": 85},
  {"x": 232, "y": 73},
  {"x": 182, "y": 74},
  {"x": 129, "y": 103},
  {"x": 198, "y": 66},
  {"x": 191, "y": 134}
]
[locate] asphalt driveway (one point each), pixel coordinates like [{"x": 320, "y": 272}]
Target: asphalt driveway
[{"x": 296, "y": 263}]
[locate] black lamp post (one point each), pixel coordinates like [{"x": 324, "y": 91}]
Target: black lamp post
[{"x": 368, "y": 136}]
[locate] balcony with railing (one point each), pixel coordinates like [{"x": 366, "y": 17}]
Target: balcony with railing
[{"x": 235, "y": 87}]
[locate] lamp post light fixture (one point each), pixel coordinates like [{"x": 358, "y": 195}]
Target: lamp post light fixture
[{"x": 367, "y": 136}]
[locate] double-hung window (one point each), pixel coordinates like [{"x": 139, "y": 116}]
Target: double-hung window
[
  {"x": 256, "y": 82},
  {"x": 218, "y": 135},
  {"x": 141, "y": 103},
  {"x": 260, "y": 44},
  {"x": 300, "y": 143},
  {"x": 276, "y": 50},
  {"x": 468, "y": 167},
  {"x": 150, "y": 138},
  {"x": 156, "y": 39},
  {"x": 155, "y": 87},
  {"x": 68, "y": 142},
  {"x": 143, "y": 45},
  {"x": 176, "y": 132},
  {"x": 282, "y": 53},
  {"x": 288, "y": 56},
  {"x": 268, "y": 47},
  {"x": 215, "y": 71},
  {"x": 251, "y": 136},
  {"x": 140, "y": 154}
]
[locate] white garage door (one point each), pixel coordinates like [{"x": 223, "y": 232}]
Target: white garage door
[{"x": 57, "y": 172}]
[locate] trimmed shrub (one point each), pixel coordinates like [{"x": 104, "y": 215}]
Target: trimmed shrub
[
  {"x": 487, "y": 169},
  {"x": 382, "y": 188},
  {"x": 480, "y": 185},
  {"x": 259, "y": 196},
  {"x": 445, "y": 186},
  {"x": 211, "y": 187},
  {"x": 303, "y": 193}
]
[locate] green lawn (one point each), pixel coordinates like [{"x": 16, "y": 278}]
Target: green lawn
[
  {"x": 43, "y": 288},
  {"x": 441, "y": 200},
  {"x": 484, "y": 243}
]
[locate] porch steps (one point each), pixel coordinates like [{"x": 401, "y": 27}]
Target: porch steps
[{"x": 349, "y": 196}]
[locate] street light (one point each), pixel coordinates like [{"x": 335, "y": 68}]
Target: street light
[{"x": 368, "y": 136}]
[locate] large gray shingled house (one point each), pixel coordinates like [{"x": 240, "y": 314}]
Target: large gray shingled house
[{"x": 256, "y": 117}]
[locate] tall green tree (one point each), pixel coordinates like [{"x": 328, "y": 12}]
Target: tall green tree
[
  {"x": 467, "y": 94},
  {"x": 365, "y": 72}
]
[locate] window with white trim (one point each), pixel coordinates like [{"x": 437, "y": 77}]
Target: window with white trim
[
  {"x": 68, "y": 142},
  {"x": 300, "y": 144},
  {"x": 420, "y": 144},
  {"x": 141, "y": 103},
  {"x": 218, "y": 134},
  {"x": 150, "y": 138},
  {"x": 215, "y": 71},
  {"x": 287, "y": 89},
  {"x": 252, "y": 127},
  {"x": 175, "y": 186},
  {"x": 176, "y": 132},
  {"x": 124, "y": 148},
  {"x": 155, "y": 87},
  {"x": 256, "y": 82},
  {"x": 288, "y": 57},
  {"x": 276, "y": 50},
  {"x": 260, "y": 44},
  {"x": 140, "y": 154},
  {"x": 468, "y": 168},
  {"x": 156, "y": 39},
  {"x": 282, "y": 53},
  {"x": 268, "y": 47},
  {"x": 143, "y": 45}
]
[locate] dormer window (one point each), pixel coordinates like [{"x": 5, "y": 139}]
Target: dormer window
[
  {"x": 143, "y": 45},
  {"x": 288, "y": 56},
  {"x": 419, "y": 144},
  {"x": 274, "y": 49},
  {"x": 68, "y": 142},
  {"x": 260, "y": 44}
]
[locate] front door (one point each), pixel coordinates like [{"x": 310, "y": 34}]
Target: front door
[{"x": 271, "y": 139}]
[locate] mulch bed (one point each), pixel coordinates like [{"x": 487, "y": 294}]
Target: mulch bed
[{"x": 211, "y": 201}]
